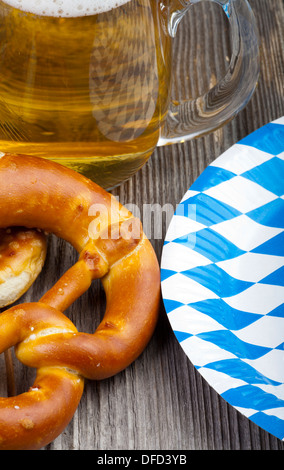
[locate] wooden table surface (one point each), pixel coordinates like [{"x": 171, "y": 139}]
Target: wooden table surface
[{"x": 161, "y": 402}]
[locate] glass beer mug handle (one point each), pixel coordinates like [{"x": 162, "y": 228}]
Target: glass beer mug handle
[{"x": 193, "y": 118}]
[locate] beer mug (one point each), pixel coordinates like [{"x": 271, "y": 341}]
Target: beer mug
[{"x": 87, "y": 83}]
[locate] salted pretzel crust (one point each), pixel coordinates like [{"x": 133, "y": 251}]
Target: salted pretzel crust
[{"x": 55, "y": 199}]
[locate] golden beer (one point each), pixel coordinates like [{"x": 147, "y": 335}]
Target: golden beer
[{"x": 84, "y": 87}]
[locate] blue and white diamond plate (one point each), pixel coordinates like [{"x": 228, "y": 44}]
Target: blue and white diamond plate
[{"x": 222, "y": 276}]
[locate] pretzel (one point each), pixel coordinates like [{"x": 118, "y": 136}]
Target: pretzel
[
  {"x": 22, "y": 255},
  {"x": 112, "y": 247}
]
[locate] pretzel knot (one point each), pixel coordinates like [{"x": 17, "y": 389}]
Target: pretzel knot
[{"x": 111, "y": 246}]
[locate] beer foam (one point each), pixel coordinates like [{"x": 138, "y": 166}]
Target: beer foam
[{"x": 65, "y": 8}]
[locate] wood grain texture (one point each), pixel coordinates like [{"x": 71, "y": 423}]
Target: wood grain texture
[{"x": 161, "y": 401}]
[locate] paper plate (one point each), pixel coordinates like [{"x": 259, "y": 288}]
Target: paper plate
[{"x": 222, "y": 276}]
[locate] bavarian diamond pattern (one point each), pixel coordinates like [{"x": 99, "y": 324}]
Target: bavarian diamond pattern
[{"x": 222, "y": 276}]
